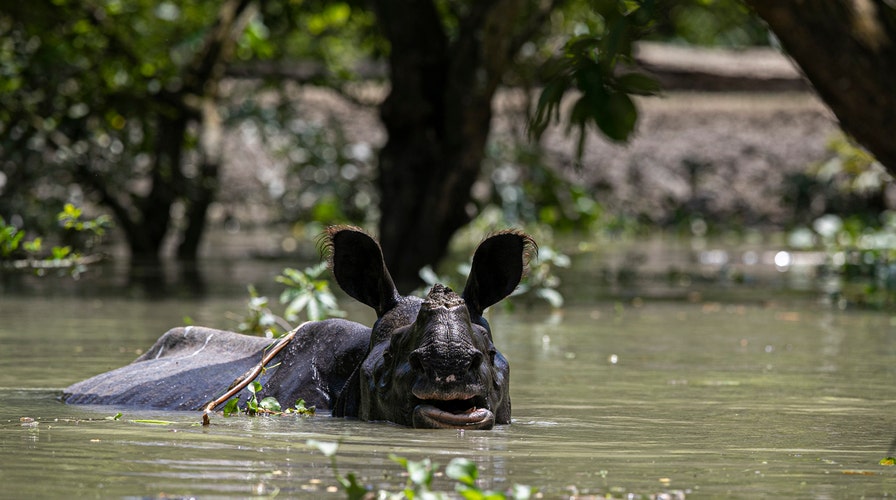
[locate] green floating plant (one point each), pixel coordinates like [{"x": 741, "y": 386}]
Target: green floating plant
[
  {"x": 420, "y": 475},
  {"x": 265, "y": 406}
]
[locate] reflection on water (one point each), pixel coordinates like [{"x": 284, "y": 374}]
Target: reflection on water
[{"x": 705, "y": 399}]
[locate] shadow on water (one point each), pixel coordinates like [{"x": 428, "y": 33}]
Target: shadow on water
[
  {"x": 152, "y": 280},
  {"x": 155, "y": 279}
]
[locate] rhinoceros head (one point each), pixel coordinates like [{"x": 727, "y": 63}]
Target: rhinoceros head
[{"x": 431, "y": 361}]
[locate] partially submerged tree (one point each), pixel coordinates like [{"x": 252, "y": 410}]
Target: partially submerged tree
[
  {"x": 444, "y": 68},
  {"x": 446, "y": 61},
  {"x": 121, "y": 97}
]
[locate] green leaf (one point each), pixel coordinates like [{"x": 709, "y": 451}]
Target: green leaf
[
  {"x": 70, "y": 211},
  {"x": 463, "y": 470},
  {"x": 16, "y": 238},
  {"x": 888, "y": 461},
  {"x": 32, "y": 246},
  {"x": 638, "y": 84},
  {"x": 469, "y": 493},
  {"x": 301, "y": 409},
  {"x": 328, "y": 448},
  {"x": 399, "y": 460},
  {"x": 153, "y": 422},
  {"x": 59, "y": 253},
  {"x": 255, "y": 387},
  {"x": 270, "y": 403},
  {"x": 421, "y": 472},
  {"x": 553, "y": 297},
  {"x": 314, "y": 312},
  {"x": 232, "y": 406},
  {"x": 354, "y": 490},
  {"x": 617, "y": 121},
  {"x": 522, "y": 492}
]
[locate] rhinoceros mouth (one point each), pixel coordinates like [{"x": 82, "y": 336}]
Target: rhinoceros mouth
[{"x": 452, "y": 414}]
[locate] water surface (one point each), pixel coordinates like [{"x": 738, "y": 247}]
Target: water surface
[{"x": 784, "y": 398}]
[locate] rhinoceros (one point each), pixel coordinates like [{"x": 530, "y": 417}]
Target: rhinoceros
[{"x": 426, "y": 362}]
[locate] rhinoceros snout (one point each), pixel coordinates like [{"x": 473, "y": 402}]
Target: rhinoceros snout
[{"x": 445, "y": 367}]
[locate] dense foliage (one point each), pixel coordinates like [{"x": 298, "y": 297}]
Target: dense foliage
[
  {"x": 118, "y": 107},
  {"x": 108, "y": 102}
]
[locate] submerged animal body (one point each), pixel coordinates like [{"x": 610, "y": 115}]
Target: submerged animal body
[{"x": 427, "y": 362}]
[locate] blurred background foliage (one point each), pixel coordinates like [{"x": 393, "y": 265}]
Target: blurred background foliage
[
  {"x": 89, "y": 90},
  {"x": 83, "y": 81}
]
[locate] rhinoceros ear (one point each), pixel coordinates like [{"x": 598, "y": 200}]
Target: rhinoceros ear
[
  {"x": 499, "y": 264},
  {"x": 357, "y": 263}
]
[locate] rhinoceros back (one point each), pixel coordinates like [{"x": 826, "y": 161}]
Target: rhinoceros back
[
  {"x": 190, "y": 366},
  {"x": 186, "y": 368}
]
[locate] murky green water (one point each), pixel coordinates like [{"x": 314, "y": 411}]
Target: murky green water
[{"x": 774, "y": 398}]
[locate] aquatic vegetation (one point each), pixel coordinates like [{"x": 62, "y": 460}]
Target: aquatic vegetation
[
  {"x": 259, "y": 318},
  {"x": 305, "y": 291},
  {"x": 859, "y": 257},
  {"x": 82, "y": 235},
  {"x": 265, "y": 406},
  {"x": 420, "y": 475}
]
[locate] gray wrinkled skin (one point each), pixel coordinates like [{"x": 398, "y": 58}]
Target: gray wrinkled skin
[
  {"x": 425, "y": 363},
  {"x": 439, "y": 371}
]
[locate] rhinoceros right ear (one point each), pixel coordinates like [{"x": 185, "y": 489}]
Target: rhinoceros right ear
[
  {"x": 356, "y": 260},
  {"x": 498, "y": 266}
]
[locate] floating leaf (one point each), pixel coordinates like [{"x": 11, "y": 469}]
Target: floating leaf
[
  {"x": 270, "y": 403},
  {"x": 328, "y": 448},
  {"x": 301, "y": 409},
  {"x": 888, "y": 461}
]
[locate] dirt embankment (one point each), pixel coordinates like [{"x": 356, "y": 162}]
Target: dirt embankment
[{"x": 724, "y": 155}]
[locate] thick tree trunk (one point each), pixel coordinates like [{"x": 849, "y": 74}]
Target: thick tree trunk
[
  {"x": 413, "y": 115},
  {"x": 437, "y": 116},
  {"x": 847, "y": 50}
]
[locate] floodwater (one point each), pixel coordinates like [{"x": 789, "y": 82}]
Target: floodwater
[{"x": 773, "y": 395}]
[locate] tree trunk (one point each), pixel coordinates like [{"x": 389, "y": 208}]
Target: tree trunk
[
  {"x": 847, "y": 50},
  {"x": 148, "y": 224},
  {"x": 437, "y": 116},
  {"x": 154, "y": 211},
  {"x": 204, "y": 188}
]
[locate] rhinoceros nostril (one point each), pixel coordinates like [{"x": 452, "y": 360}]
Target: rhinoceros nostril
[
  {"x": 476, "y": 359},
  {"x": 416, "y": 361}
]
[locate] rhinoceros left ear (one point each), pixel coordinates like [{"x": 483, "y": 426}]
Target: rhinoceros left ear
[
  {"x": 499, "y": 264},
  {"x": 359, "y": 268}
]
